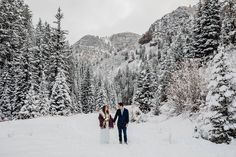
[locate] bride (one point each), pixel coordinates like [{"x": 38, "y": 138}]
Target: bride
[{"x": 106, "y": 123}]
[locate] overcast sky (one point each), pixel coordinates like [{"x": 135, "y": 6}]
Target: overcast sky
[{"x": 104, "y": 17}]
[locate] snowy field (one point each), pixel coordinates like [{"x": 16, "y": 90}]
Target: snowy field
[{"x": 78, "y": 136}]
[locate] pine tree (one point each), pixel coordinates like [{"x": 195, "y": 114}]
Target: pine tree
[
  {"x": 219, "y": 99},
  {"x": 79, "y": 76},
  {"x": 43, "y": 96},
  {"x": 119, "y": 85},
  {"x": 107, "y": 91},
  {"x": 47, "y": 49},
  {"x": 166, "y": 67},
  {"x": 178, "y": 48},
  {"x": 100, "y": 94},
  {"x": 7, "y": 92},
  {"x": 59, "y": 50},
  {"x": 61, "y": 103},
  {"x": 31, "y": 105},
  {"x": 6, "y": 37},
  {"x": 231, "y": 130},
  {"x": 210, "y": 29},
  {"x": 38, "y": 59},
  {"x": 145, "y": 90},
  {"x": 129, "y": 78},
  {"x": 16, "y": 41},
  {"x": 113, "y": 100},
  {"x": 228, "y": 31},
  {"x": 21, "y": 61},
  {"x": 87, "y": 97},
  {"x": 197, "y": 29}
]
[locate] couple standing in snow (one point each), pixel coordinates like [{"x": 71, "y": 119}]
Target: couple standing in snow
[{"x": 106, "y": 123}]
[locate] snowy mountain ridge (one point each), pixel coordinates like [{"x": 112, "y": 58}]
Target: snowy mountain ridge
[
  {"x": 106, "y": 54},
  {"x": 117, "y": 41},
  {"x": 112, "y": 53},
  {"x": 114, "y": 43},
  {"x": 172, "y": 28}
]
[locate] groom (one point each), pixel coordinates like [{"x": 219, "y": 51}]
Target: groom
[{"x": 123, "y": 120}]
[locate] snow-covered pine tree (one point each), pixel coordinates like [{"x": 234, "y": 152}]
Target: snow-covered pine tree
[
  {"x": 210, "y": 29},
  {"x": 7, "y": 100},
  {"x": 107, "y": 90},
  {"x": 228, "y": 30},
  {"x": 56, "y": 57},
  {"x": 231, "y": 128},
  {"x": 59, "y": 50},
  {"x": 145, "y": 90},
  {"x": 74, "y": 70},
  {"x": 6, "y": 54},
  {"x": 47, "y": 49},
  {"x": 178, "y": 48},
  {"x": 87, "y": 96},
  {"x": 100, "y": 94},
  {"x": 31, "y": 105},
  {"x": 39, "y": 63},
  {"x": 109, "y": 93},
  {"x": 22, "y": 59},
  {"x": 96, "y": 91},
  {"x": 39, "y": 30},
  {"x": 44, "y": 103},
  {"x": 79, "y": 76},
  {"x": 16, "y": 40},
  {"x": 113, "y": 97},
  {"x": 80, "y": 67},
  {"x": 14, "y": 18},
  {"x": 165, "y": 69},
  {"x": 232, "y": 107},
  {"x": 35, "y": 58},
  {"x": 40, "y": 55},
  {"x": 130, "y": 78},
  {"x": 124, "y": 83},
  {"x": 219, "y": 98},
  {"x": 197, "y": 29},
  {"x": 61, "y": 103}
]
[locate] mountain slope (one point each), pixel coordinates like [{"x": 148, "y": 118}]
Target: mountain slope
[
  {"x": 172, "y": 29},
  {"x": 106, "y": 54},
  {"x": 123, "y": 41}
]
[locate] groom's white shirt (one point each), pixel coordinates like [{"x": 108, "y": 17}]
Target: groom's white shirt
[{"x": 122, "y": 110}]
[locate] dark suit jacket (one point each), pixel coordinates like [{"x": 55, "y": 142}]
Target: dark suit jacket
[{"x": 123, "y": 119}]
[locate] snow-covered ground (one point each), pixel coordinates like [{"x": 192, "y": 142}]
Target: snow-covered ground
[{"x": 78, "y": 136}]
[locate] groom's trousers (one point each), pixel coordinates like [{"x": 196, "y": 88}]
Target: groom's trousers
[{"x": 124, "y": 130}]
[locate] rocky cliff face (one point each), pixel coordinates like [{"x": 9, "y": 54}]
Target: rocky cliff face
[
  {"x": 116, "y": 42},
  {"x": 123, "y": 41},
  {"x": 92, "y": 48},
  {"x": 96, "y": 49}
]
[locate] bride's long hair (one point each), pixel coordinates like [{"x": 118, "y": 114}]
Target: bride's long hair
[{"x": 104, "y": 109}]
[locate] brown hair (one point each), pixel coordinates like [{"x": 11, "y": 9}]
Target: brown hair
[
  {"x": 120, "y": 104},
  {"x": 104, "y": 108}
]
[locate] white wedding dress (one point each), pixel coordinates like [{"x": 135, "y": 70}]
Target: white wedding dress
[{"x": 105, "y": 133}]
